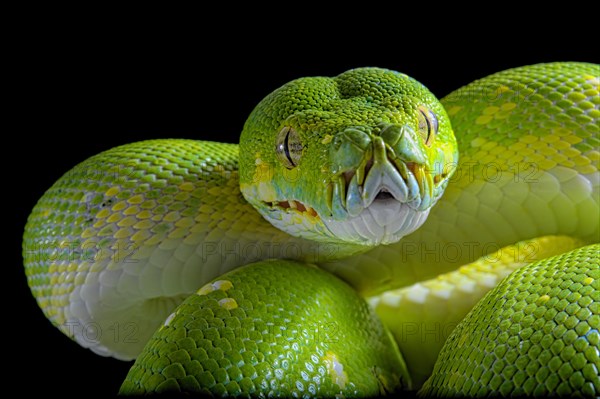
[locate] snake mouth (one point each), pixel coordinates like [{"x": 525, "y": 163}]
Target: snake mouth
[
  {"x": 377, "y": 203},
  {"x": 383, "y": 194},
  {"x": 374, "y": 184},
  {"x": 380, "y": 201},
  {"x": 293, "y": 206}
]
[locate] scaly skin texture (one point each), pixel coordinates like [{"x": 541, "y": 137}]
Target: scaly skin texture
[
  {"x": 124, "y": 237},
  {"x": 274, "y": 328},
  {"x": 424, "y": 314},
  {"x": 528, "y": 140},
  {"x": 352, "y": 135},
  {"x": 535, "y": 334},
  {"x": 528, "y": 167}
]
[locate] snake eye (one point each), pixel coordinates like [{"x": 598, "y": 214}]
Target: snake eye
[
  {"x": 288, "y": 147},
  {"x": 428, "y": 125}
]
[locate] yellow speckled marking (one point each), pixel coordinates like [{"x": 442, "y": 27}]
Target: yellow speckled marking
[
  {"x": 122, "y": 233},
  {"x": 335, "y": 369},
  {"x": 551, "y": 138},
  {"x": 327, "y": 139},
  {"x": 149, "y": 204},
  {"x": 453, "y": 110},
  {"x": 87, "y": 233},
  {"x": 262, "y": 175},
  {"x": 132, "y": 210},
  {"x": 119, "y": 206},
  {"x": 586, "y": 169},
  {"x": 144, "y": 215},
  {"x": 543, "y": 299},
  {"x": 103, "y": 213},
  {"x": 171, "y": 216},
  {"x": 222, "y": 285},
  {"x": 572, "y": 139},
  {"x": 115, "y": 217},
  {"x": 261, "y": 167},
  {"x": 529, "y": 139},
  {"x": 508, "y": 106},
  {"x": 545, "y": 153},
  {"x": 178, "y": 233},
  {"x": 483, "y": 119},
  {"x": 187, "y": 186},
  {"x": 126, "y": 222},
  {"x": 185, "y": 222},
  {"x": 502, "y": 89},
  {"x": 594, "y": 80},
  {"x": 228, "y": 303},
  {"x": 182, "y": 196},
  {"x": 587, "y": 281},
  {"x": 478, "y": 142},
  {"x": 206, "y": 289},
  {"x": 141, "y": 236},
  {"x": 169, "y": 319},
  {"x": 593, "y": 155},
  {"x": 136, "y": 199},
  {"x": 491, "y": 110},
  {"x": 143, "y": 225},
  {"x": 112, "y": 191}
]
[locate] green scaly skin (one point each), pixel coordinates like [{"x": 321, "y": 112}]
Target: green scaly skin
[
  {"x": 424, "y": 314},
  {"x": 528, "y": 169},
  {"x": 538, "y": 126},
  {"x": 310, "y": 348},
  {"x": 363, "y": 116},
  {"x": 535, "y": 334},
  {"x": 120, "y": 237}
]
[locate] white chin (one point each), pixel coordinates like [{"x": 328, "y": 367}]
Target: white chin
[{"x": 383, "y": 222}]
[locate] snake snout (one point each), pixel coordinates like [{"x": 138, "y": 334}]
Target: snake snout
[
  {"x": 376, "y": 194},
  {"x": 383, "y": 192},
  {"x": 373, "y": 172}
]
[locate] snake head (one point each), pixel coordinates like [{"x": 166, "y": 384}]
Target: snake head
[{"x": 360, "y": 158}]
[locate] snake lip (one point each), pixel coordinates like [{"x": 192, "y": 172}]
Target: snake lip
[
  {"x": 293, "y": 206},
  {"x": 412, "y": 166}
]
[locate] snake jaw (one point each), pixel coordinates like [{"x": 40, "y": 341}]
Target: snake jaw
[
  {"x": 293, "y": 206},
  {"x": 375, "y": 196},
  {"x": 386, "y": 192},
  {"x": 381, "y": 200}
]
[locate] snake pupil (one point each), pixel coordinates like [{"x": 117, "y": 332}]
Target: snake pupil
[
  {"x": 288, "y": 147},
  {"x": 428, "y": 125}
]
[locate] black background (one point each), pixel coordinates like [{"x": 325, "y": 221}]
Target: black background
[{"x": 83, "y": 87}]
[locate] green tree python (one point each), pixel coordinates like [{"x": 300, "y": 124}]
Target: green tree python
[{"x": 363, "y": 238}]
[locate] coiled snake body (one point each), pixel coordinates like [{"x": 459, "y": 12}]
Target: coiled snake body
[{"x": 362, "y": 175}]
